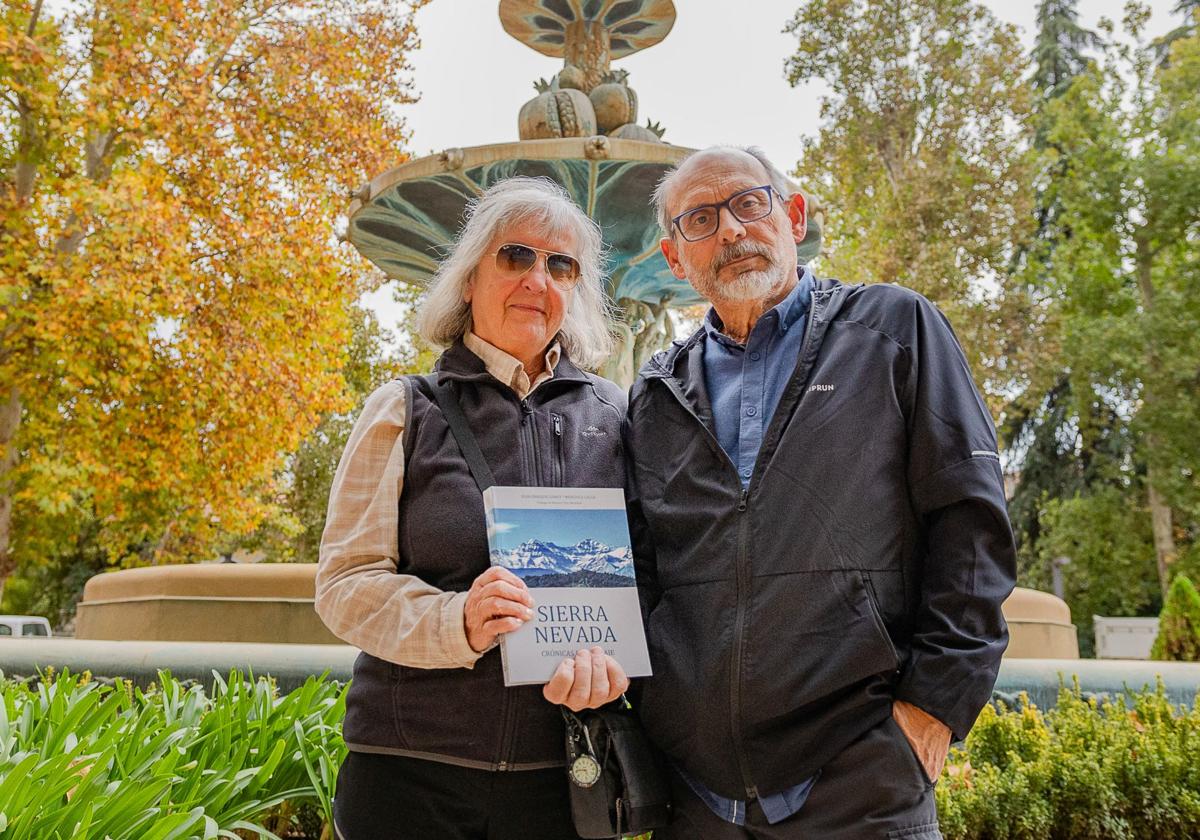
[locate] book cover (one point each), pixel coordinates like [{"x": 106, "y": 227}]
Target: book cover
[{"x": 571, "y": 546}]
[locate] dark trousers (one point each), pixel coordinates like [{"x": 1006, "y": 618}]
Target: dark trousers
[
  {"x": 389, "y": 797},
  {"x": 875, "y": 790}
]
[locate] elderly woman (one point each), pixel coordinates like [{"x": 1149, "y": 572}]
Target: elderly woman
[{"x": 439, "y": 748}]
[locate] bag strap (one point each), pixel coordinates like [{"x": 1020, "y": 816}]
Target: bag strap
[{"x": 447, "y": 400}]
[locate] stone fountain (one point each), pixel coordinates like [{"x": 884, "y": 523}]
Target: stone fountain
[{"x": 581, "y": 130}]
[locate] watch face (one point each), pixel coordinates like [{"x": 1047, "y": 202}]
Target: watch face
[{"x": 584, "y": 771}]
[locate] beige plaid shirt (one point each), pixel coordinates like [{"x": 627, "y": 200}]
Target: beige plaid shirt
[{"x": 360, "y": 597}]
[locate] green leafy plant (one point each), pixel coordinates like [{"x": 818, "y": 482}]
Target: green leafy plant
[{"x": 83, "y": 759}]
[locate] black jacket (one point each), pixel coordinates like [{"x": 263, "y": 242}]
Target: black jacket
[{"x": 866, "y": 561}]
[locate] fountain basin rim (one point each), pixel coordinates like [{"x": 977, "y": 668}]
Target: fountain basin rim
[{"x": 564, "y": 148}]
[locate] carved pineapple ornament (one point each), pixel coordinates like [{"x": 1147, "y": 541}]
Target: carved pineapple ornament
[
  {"x": 614, "y": 101},
  {"x": 556, "y": 113},
  {"x": 587, "y": 35}
]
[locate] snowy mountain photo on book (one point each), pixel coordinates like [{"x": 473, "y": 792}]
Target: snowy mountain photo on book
[
  {"x": 571, "y": 547},
  {"x": 588, "y": 562}
]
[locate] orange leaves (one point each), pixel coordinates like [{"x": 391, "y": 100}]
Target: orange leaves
[{"x": 173, "y": 307}]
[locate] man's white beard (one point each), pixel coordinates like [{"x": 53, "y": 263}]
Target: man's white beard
[{"x": 750, "y": 285}]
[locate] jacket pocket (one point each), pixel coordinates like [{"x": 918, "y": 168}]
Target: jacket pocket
[
  {"x": 880, "y": 624},
  {"x": 371, "y": 713},
  {"x": 812, "y": 636},
  {"x": 452, "y": 711},
  {"x": 682, "y": 704},
  {"x": 908, "y": 753}
]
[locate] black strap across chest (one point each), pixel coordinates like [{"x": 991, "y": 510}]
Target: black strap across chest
[{"x": 447, "y": 400}]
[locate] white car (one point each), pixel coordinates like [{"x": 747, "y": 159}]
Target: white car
[{"x": 24, "y": 625}]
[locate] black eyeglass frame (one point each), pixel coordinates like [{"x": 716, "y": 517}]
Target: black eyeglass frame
[
  {"x": 546, "y": 255},
  {"x": 716, "y": 208}
]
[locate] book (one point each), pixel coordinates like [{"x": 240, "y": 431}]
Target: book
[{"x": 571, "y": 546}]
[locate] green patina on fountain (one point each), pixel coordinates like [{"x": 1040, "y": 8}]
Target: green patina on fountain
[{"x": 582, "y": 131}]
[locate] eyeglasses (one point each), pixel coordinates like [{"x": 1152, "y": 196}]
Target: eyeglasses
[
  {"x": 514, "y": 260},
  {"x": 746, "y": 206}
]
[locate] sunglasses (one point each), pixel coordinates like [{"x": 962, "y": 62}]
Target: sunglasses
[{"x": 514, "y": 260}]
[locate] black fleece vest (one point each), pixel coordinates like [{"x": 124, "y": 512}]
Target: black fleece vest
[{"x": 566, "y": 433}]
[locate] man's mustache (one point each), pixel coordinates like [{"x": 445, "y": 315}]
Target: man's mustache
[{"x": 737, "y": 250}]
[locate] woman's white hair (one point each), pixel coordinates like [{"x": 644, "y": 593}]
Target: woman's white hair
[{"x": 586, "y": 333}]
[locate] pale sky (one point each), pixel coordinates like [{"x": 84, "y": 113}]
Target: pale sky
[{"x": 473, "y": 77}]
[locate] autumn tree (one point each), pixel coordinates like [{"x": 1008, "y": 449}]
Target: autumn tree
[
  {"x": 922, "y": 158},
  {"x": 375, "y": 356},
  {"x": 173, "y": 310}
]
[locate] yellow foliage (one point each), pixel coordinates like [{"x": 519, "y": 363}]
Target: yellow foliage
[{"x": 173, "y": 298}]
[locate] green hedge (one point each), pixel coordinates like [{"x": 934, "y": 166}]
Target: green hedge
[
  {"x": 79, "y": 758},
  {"x": 1127, "y": 769}
]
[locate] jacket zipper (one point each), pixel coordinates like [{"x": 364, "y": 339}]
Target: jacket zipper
[
  {"x": 742, "y": 585},
  {"x": 741, "y": 569},
  {"x": 742, "y": 578},
  {"x": 507, "y": 741},
  {"x": 557, "y": 422}
]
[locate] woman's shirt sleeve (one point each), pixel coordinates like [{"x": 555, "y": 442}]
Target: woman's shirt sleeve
[{"x": 359, "y": 595}]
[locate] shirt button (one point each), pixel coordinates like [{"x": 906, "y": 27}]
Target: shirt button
[
  {"x": 751, "y": 411},
  {"x": 755, "y": 356},
  {"x": 745, "y": 473}
]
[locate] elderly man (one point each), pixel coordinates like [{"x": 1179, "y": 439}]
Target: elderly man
[{"x": 820, "y": 527}]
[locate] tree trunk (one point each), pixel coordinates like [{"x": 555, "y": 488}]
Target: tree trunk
[
  {"x": 1160, "y": 508},
  {"x": 10, "y": 419},
  {"x": 1164, "y": 536}
]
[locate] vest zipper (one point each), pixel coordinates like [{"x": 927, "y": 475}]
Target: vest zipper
[
  {"x": 531, "y": 475},
  {"x": 557, "y": 422},
  {"x": 507, "y": 744},
  {"x": 533, "y": 471}
]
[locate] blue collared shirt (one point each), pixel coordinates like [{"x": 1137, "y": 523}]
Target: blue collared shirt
[
  {"x": 744, "y": 385},
  {"x": 745, "y": 381}
]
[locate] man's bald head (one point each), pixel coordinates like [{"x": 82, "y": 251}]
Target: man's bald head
[{"x": 671, "y": 183}]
